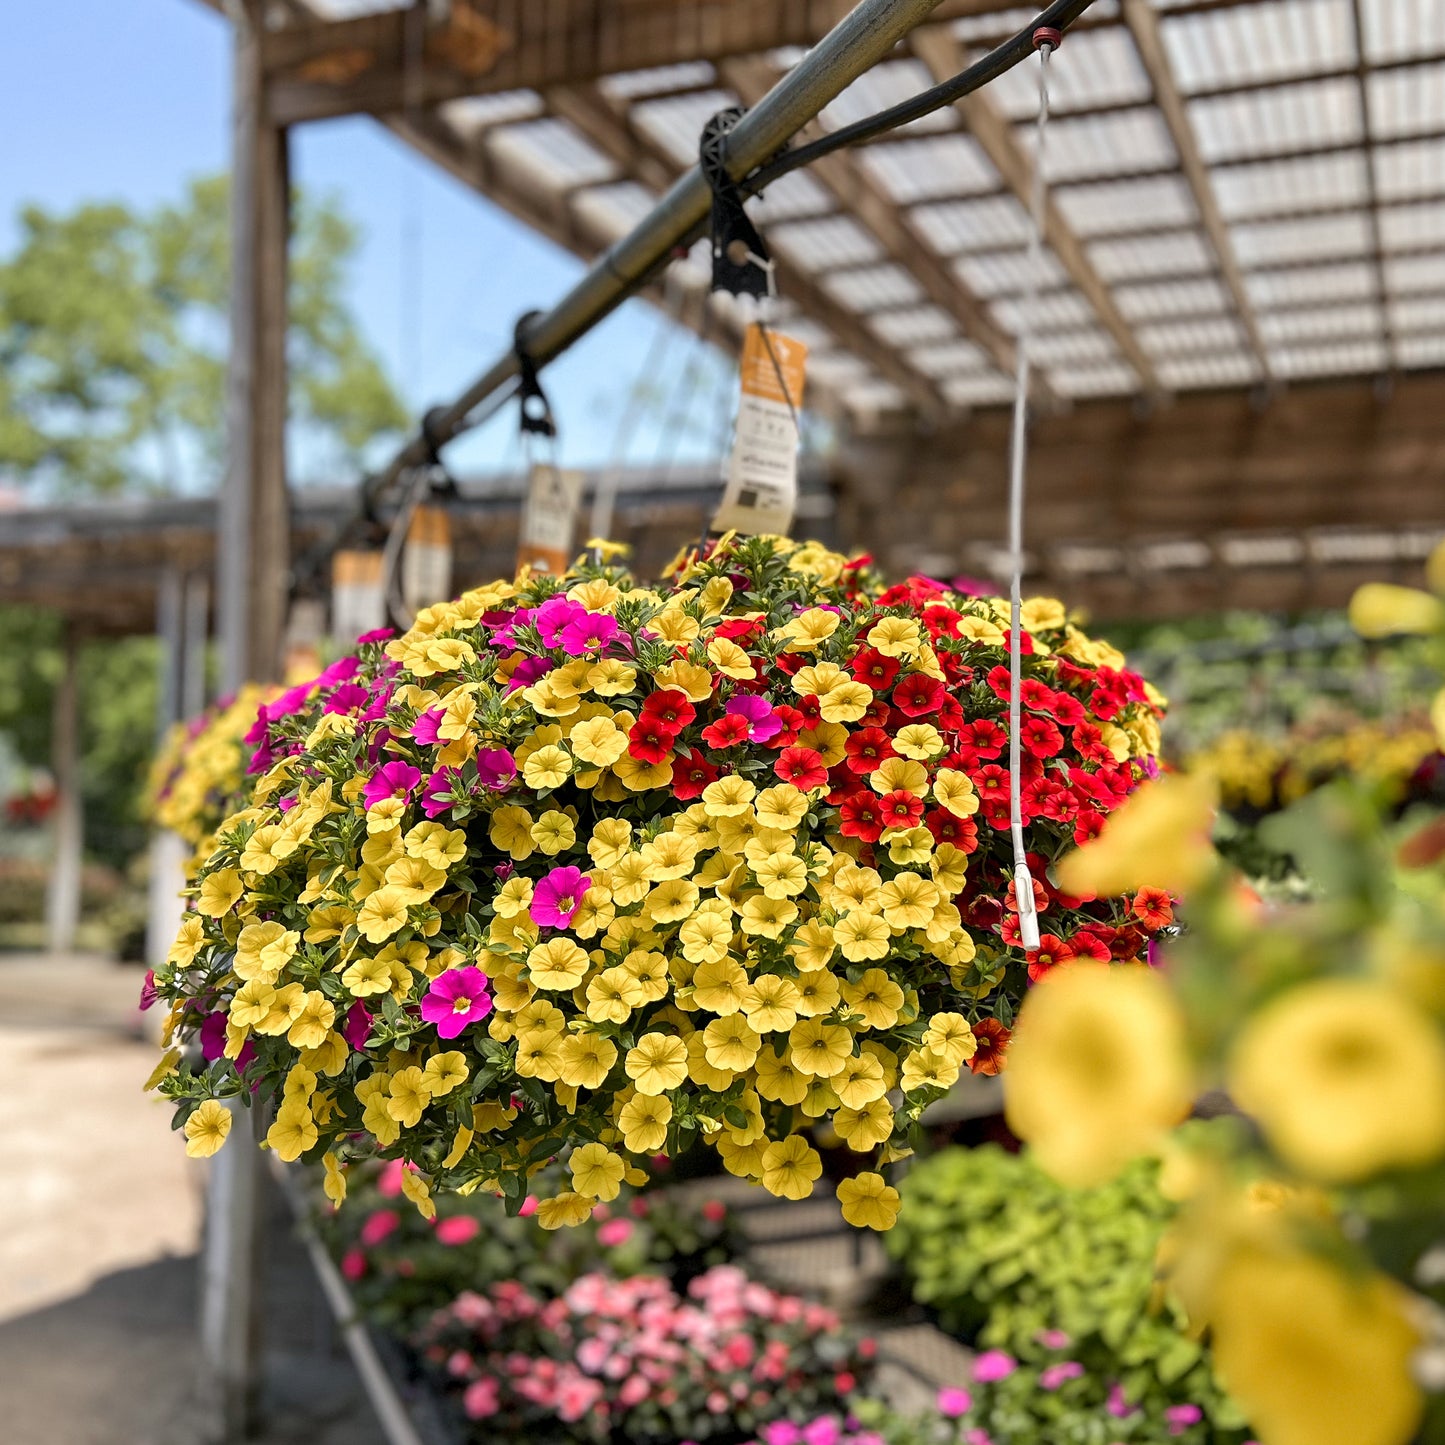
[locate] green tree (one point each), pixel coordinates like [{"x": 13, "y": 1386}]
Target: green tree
[{"x": 113, "y": 331}]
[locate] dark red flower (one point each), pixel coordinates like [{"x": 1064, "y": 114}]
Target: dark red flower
[
  {"x": 877, "y": 713},
  {"x": 868, "y": 749},
  {"x": 1153, "y": 908},
  {"x": 691, "y": 773},
  {"x": 727, "y": 732},
  {"x": 812, "y": 711},
  {"x": 917, "y": 694},
  {"x": 1000, "y": 682},
  {"x": 1092, "y": 942},
  {"x": 993, "y": 1040},
  {"x": 950, "y": 715},
  {"x": 941, "y": 620},
  {"x": 793, "y": 722},
  {"x": 1040, "y": 737},
  {"x": 861, "y": 816},
  {"x": 986, "y": 737},
  {"x": 901, "y": 808},
  {"x": 1087, "y": 826},
  {"x": 870, "y": 666},
  {"x": 991, "y": 784},
  {"x": 946, "y": 828},
  {"x": 1067, "y": 710},
  {"x": 671, "y": 708},
  {"x": 802, "y": 767},
  {"x": 650, "y": 740},
  {"x": 1088, "y": 743},
  {"x": 1036, "y": 695}
]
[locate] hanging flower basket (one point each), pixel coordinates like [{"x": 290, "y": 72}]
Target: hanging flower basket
[{"x": 585, "y": 869}]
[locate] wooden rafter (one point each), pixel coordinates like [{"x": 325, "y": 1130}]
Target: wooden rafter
[
  {"x": 609, "y": 126},
  {"x": 1143, "y": 23},
  {"x": 864, "y": 199},
  {"x": 942, "y": 53}
]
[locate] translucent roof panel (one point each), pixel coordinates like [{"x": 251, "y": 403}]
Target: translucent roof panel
[
  {"x": 554, "y": 151},
  {"x": 953, "y": 227},
  {"x": 636, "y": 84},
  {"x": 885, "y": 85},
  {"x": 1420, "y": 349},
  {"x": 1090, "y": 147},
  {"x": 1401, "y": 29},
  {"x": 1345, "y": 358},
  {"x": 826, "y": 243},
  {"x": 1000, "y": 273},
  {"x": 923, "y": 170},
  {"x": 1311, "y": 285},
  {"x": 977, "y": 389},
  {"x": 1320, "y": 323},
  {"x": 1412, "y": 168},
  {"x": 1311, "y": 183},
  {"x": 1066, "y": 348},
  {"x": 1101, "y": 207},
  {"x": 1406, "y": 102},
  {"x": 1185, "y": 338},
  {"x": 1053, "y": 309},
  {"x": 914, "y": 325},
  {"x": 1418, "y": 313},
  {"x": 1308, "y": 238},
  {"x": 791, "y": 197},
  {"x": 1226, "y": 369},
  {"x": 1259, "y": 43},
  {"x": 949, "y": 358},
  {"x": 870, "y": 288},
  {"x": 676, "y": 122},
  {"x": 1106, "y": 379},
  {"x": 1413, "y": 227},
  {"x": 1157, "y": 299},
  {"x": 477, "y": 112},
  {"x": 1103, "y": 70},
  {"x": 615, "y": 209},
  {"x": 1415, "y": 273},
  {"x": 1175, "y": 253},
  {"x": 1265, "y": 122}
]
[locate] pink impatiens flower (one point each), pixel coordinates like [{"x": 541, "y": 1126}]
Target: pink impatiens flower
[
  {"x": 993, "y": 1365},
  {"x": 557, "y": 897},
  {"x": 457, "y": 997},
  {"x": 1053, "y": 1376},
  {"x": 954, "y": 1401}
]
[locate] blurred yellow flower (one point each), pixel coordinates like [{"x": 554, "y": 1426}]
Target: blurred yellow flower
[
  {"x": 1098, "y": 1071},
  {"x": 1380, "y": 609},
  {"x": 1346, "y": 1077}
]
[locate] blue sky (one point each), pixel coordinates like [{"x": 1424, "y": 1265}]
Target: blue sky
[{"x": 126, "y": 99}]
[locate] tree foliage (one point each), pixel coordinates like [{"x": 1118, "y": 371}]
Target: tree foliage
[{"x": 113, "y": 334}]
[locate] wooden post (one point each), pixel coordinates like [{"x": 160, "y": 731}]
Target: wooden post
[
  {"x": 62, "y": 892},
  {"x": 252, "y": 561}
]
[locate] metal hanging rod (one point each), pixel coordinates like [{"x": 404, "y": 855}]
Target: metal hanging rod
[{"x": 866, "y": 35}]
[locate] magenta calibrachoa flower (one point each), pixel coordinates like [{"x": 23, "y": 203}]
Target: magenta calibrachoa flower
[
  {"x": 556, "y": 899},
  {"x": 456, "y": 999}
]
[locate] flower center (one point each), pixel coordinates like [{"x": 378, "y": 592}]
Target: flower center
[{"x": 461, "y": 1005}]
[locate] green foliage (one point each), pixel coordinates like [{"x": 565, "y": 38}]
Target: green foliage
[
  {"x": 1004, "y": 1254},
  {"x": 113, "y": 328}
]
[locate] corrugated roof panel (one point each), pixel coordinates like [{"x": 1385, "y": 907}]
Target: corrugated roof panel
[
  {"x": 873, "y": 397},
  {"x": 949, "y": 358},
  {"x": 1399, "y": 29},
  {"x": 1001, "y": 273},
  {"x": 835, "y": 369},
  {"x": 1178, "y": 253},
  {"x": 615, "y": 209},
  {"x": 1421, "y": 349},
  {"x": 1262, "y": 122},
  {"x": 1110, "y": 379},
  {"x": 972, "y": 26},
  {"x": 1188, "y": 373},
  {"x": 1418, "y": 313},
  {"x": 1319, "y": 323},
  {"x": 473, "y": 112},
  {"x": 1103, "y": 70},
  {"x": 1407, "y": 228},
  {"x": 1312, "y": 238},
  {"x": 1149, "y": 203},
  {"x": 1259, "y": 42},
  {"x": 1058, "y": 309},
  {"x": 815, "y": 337},
  {"x": 913, "y": 326},
  {"x": 635, "y": 84},
  {"x": 1415, "y": 273},
  {"x": 1089, "y": 147},
  {"x": 1308, "y": 184},
  {"x": 1347, "y": 281},
  {"x": 887, "y": 84},
  {"x": 552, "y": 149},
  {"x": 983, "y": 389},
  {"x": 827, "y": 242},
  {"x": 924, "y": 170},
  {"x": 952, "y": 227},
  {"x": 869, "y": 288},
  {"x": 1406, "y": 102},
  {"x": 793, "y": 195},
  {"x": 676, "y": 122},
  {"x": 1185, "y": 338},
  {"x": 1071, "y": 348},
  {"x": 1412, "y": 168},
  {"x": 1196, "y": 296},
  {"x": 1361, "y": 357}
]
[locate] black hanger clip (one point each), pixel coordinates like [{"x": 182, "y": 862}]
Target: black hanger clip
[
  {"x": 536, "y": 419},
  {"x": 741, "y": 264}
]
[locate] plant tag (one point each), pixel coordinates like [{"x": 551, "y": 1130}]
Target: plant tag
[
  {"x": 426, "y": 563},
  {"x": 761, "y": 494},
  {"x": 549, "y": 519},
  {"x": 357, "y": 604}
]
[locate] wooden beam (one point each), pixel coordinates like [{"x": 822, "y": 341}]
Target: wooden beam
[
  {"x": 1143, "y": 23},
  {"x": 609, "y": 125},
  {"x": 860, "y": 196},
  {"x": 944, "y": 56}
]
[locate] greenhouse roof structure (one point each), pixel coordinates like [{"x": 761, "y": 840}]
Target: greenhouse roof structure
[{"x": 1243, "y": 193}]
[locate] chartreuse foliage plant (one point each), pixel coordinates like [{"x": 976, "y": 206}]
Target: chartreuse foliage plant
[
  {"x": 586, "y": 869},
  {"x": 1014, "y": 1262}
]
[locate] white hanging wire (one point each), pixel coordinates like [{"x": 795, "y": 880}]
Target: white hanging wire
[{"x": 1018, "y": 448}]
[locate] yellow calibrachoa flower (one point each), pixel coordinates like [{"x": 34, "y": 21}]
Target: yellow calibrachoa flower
[
  {"x": 789, "y": 1167},
  {"x": 868, "y": 1202},
  {"x": 1346, "y": 1077},
  {"x": 597, "y": 1172},
  {"x": 658, "y": 1063},
  {"x": 206, "y": 1129}
]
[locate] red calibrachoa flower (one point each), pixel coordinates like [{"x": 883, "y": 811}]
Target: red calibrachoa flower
[
  {"x": 993, "y": 1039},
  {"x": 1041, "y": 737},
  {"x": 691, "y": 773},
  {"x": 802, "y": 767},
  {"x": 918, "y": 695},
  {"x": 792, "y": 721},
  {"x": 1153, "y": 908},
  {"x": 671, "y": 708},
  {"x": 870, "y": 666},
  {"x": 650, "y": 741},
  {"x": 1051, "y": 952},
  {"x": 727, "y": 732},
  {"x": 862, "y": 817},
  {"x": 901, "y": 809},
  {"x": 866, "y": 751}
]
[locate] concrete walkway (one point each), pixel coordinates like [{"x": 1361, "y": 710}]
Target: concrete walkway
[{"x": 100, "y": 1217}]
